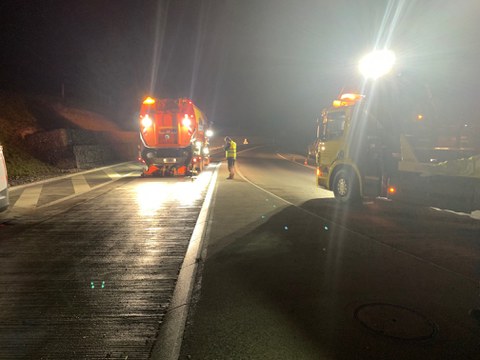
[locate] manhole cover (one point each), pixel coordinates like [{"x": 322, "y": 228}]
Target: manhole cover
[{"x": 395, "y": 321}]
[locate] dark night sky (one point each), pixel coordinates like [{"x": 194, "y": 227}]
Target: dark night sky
[{"x": 260, "y": 63}]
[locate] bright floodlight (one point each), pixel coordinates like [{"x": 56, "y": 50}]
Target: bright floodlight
[{"x": 377, "y": 63}]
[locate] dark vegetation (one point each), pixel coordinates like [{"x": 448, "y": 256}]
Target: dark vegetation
[{"x": 23, "y": 116}]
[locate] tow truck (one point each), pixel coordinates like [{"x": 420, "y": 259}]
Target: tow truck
[{"x": 367, "y": 149}]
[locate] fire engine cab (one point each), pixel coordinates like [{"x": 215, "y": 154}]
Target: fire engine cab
[{"x": 174, "y": 137}]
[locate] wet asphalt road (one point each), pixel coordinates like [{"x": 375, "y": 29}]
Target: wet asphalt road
[
  {"x": 91, "y": 277},
  {"x": 296, "y": 276}
]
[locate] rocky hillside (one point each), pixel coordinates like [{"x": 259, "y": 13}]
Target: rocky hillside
[{"x": 23, "y": 119}]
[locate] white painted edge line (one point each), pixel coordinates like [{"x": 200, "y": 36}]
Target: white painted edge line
[
  {"x": 250, "y": 149},
  {"x": 169, "y": 341},
  {"x": 12, "y": 188},
  {"x": 285, "y": 158},
  {"x": 266, "y": 191},
  {"x": 475, "y": 214},
  {"x": 404, "y": 252}
]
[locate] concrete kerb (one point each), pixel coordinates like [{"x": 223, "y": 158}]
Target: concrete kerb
[{"x": 169, "y": 341}]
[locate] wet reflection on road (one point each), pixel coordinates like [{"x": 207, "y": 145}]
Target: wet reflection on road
[
  {"x": 94, "y": 280},
  {"x": 153, "y": 195}
]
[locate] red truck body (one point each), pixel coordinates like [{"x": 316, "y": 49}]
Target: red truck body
[{"x": 173, "y": 134}]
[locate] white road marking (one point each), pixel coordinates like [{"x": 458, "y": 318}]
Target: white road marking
[
  {"x": 46, "y": 181},
  {"x": 295, "y": 162},
  {"x": 169, "y": 341},
  {"x": 80, "y": 184},
  {"x": 112, "y": 174},
  {"x": 93, "y": 188},
  {"x": 379, "y": 242},
  {"x": 29, "y": 197},
  {"x": 474, "y": 214}
]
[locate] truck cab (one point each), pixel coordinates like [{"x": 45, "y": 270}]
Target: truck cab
[
  {"x": 174, "y": 137},
  {"x": 381, "y": 148},
  {"x": 349, "y": 155}
]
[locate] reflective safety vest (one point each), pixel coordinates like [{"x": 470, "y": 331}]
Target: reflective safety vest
[{"x": 231, "y": 151}]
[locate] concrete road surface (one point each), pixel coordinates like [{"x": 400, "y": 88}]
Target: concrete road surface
[{"x": 89, "y": 262}]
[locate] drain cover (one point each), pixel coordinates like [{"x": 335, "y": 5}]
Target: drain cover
[{"x": 395, "y": 321}]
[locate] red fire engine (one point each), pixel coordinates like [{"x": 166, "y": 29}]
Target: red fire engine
[{"x": 173, "y": 134}]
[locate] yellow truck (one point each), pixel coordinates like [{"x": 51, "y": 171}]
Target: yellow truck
[{"x": 363, "y": 150}]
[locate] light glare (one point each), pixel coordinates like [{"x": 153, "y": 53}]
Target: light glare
[
  {"x": 377, "y": 64},
  {"x": 149, "y": 101},
  {"x": 186, "y": 121},
  {"x": 146, "y": 122}
]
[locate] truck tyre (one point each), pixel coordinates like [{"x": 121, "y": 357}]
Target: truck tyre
[{"x": 345, "y": 186}]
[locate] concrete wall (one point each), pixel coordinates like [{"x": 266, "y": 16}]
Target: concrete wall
[{"x": 82, "y": 149}]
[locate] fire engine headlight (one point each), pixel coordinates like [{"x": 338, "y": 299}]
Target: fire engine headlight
[
  {"x": 186, "y": 121},
  {"x": 150, "y": 155},
  {"x": 146, "y": 122},
  {"x": 209, "y": 133}
]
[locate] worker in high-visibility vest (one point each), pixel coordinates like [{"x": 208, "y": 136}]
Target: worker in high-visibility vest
[{"x": 231, "y": 154}]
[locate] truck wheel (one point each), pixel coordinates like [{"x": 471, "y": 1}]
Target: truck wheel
[{"x": 345, "y": 187}]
